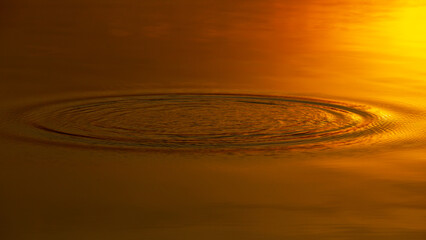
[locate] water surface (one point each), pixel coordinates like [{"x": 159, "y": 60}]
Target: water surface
[{"x": 212, "y": 119}]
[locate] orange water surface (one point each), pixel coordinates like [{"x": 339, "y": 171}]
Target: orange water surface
[{"x": 184, "y": 119}]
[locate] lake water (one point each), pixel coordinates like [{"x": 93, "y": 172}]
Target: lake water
[{"x": 126, "y": 119}]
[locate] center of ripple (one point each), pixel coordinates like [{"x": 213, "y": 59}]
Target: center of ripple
[{"x": 206, "y": 121}]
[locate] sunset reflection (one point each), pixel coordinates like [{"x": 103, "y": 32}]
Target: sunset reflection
[{"x": 215, "y": 119}]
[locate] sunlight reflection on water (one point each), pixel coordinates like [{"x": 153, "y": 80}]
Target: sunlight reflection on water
[{"x": 312, "y": 113}]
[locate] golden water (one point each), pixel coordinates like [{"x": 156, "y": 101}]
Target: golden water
[{"x": 213, "y": 119}]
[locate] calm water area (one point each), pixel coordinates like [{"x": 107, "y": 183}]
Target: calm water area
[{"x": 184, "y": 119}]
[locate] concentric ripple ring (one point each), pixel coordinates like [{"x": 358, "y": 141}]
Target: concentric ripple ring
[{"x": 199, "y": 121}]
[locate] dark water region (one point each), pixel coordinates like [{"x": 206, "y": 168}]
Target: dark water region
[{"x": 212, "y": 119}]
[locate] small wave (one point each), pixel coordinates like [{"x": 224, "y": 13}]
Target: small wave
[{"x": 199, "y": 121}]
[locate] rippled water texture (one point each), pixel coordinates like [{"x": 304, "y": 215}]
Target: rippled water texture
[
  {"x": 213, "y": 119},
  {"x": 200, "y": 121}
]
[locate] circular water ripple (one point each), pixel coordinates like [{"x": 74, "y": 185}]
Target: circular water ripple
[{"x": 200, "y": 121}]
